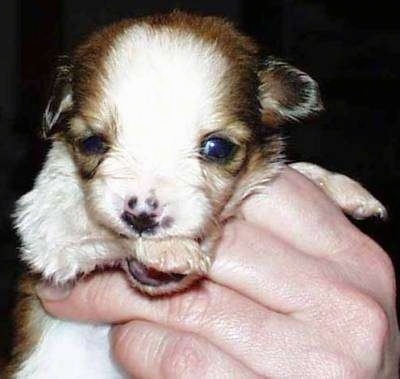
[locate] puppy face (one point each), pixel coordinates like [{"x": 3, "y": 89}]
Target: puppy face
[
  {"x": 171, "y": 121},
  {"x": 156, "y": 145}
]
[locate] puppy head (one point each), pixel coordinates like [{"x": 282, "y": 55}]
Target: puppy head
[{"x": 169, "y": 119}]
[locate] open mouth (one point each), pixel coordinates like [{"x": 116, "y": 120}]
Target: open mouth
[{"x": 149, "y": 276}]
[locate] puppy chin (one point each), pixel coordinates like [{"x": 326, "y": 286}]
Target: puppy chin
[
  {"x": 153, "y": 282},
  {"x": 160, "y": 267}
]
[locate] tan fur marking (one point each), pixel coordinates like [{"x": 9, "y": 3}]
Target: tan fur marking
[
  {"x": 89, "y": 73},
  {"x": 29, "y": 315}
]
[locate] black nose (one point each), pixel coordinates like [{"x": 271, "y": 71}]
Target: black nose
[{"x": 141, "y": 223}]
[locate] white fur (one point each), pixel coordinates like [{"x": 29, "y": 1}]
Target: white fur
[
  {"x": 59, "y": 239},
  {"x": 165, "y": 89},
  {"x": 71, "y": 351},
  {"x": 165, "y": 86}
]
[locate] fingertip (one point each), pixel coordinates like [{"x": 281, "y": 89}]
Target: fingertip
[{"x": 50, "y": 292}]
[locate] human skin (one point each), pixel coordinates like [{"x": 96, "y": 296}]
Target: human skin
[{"x": 296, "y": 291}]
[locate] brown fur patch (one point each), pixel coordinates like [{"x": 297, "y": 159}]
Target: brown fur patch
[
  {"x": 89, "y": 57},
  {"x": 29, "y": 315},
  {"x": 241, "y": 82},
  {"x": 264, "y": 164},
  {"x": 286, "y": 93}
]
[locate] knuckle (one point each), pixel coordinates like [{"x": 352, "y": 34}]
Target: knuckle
[
  {"x": 384, "y": 268},
  {"x": 376, "y": 325},
  {"x": 134, "y": 347},
  {"x": 371, "y": 324},
  {"x": 96, "y": 295},
  {"x": 363, "y": 323},
  {"x": 344, "y": 367},
  {"x": 120, "y": 343},
  {"x": 185, "y": 358},
  {"x": 384, "y": 263},
  {"x": 377, "y": 258},
  {"x": 333, "y": 365},
  {"x": 191, "y": 308}
]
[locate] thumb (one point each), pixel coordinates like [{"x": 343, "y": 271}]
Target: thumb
[{"x": 48, "y": 291}]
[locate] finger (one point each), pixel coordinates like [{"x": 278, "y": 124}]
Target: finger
[
  {"x": 148, "y": 350},
  {"x": 243, "y": 329},
  {"x": 252, "y": 262},
  {"x": 265, "y": 268},
  {"x": 249, "y": 260},
  {"x": 295, "y": 209},
  {"x": 299, "y": 213}
]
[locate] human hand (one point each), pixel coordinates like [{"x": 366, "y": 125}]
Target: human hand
[{"x": 295, "y": 291}]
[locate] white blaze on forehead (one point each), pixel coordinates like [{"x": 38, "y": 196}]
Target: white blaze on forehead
[{"x": 164, "y": 85}]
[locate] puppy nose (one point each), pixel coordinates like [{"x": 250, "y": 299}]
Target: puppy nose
[
  {"x": 151, "y": 203},
  {"x": 131, "y": 203},
  {"x": 141, "y": 223}
]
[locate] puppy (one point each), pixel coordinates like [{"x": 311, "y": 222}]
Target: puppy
[{"x": 160, "y": 128}]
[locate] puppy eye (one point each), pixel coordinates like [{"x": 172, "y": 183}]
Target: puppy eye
[
  {"x": 93, "y": 145},
  {"x": 218, "y": 149}
]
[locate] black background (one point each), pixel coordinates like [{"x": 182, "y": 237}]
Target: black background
[{"x": 351, "y": 50}]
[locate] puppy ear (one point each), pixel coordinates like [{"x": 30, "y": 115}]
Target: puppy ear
[
  {"x": 286, "y": 93},
  {"x": 60, "y": 102}
]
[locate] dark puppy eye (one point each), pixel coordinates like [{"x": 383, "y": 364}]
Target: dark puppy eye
[
  {"x": 218, "y": 149},
  {"x": 93, "y": 145}
]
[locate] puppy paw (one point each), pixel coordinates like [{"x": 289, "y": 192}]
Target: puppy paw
[
  {"x": 365, "y": 207},
  {"x": 348, "y": 194},
  {"x": 178, "y": 255}
]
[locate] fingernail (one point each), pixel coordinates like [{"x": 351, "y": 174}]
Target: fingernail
[{"x": 52, "y": 292}]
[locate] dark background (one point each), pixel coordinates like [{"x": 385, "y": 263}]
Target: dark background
[{"x": 353, "y": 52}]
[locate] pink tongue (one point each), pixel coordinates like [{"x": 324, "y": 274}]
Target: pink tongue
[{"x": 150, "y": 276}]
